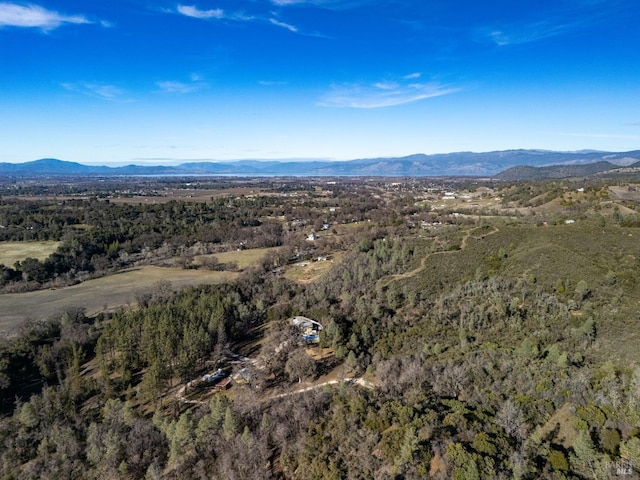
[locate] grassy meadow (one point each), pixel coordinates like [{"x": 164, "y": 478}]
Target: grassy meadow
[
  {"x": 97, "y": 295},
  {"x": 242, "y": 258},
  {"x": 106, "y": 293},
  {"x": 306, "y": 272},
  {"x": 12, "y": 252}
]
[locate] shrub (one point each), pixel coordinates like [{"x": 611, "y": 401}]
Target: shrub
[
  {"x": 592, "y": 415},
  {"x": 558, "y": 461},
  {"x": 609, "y": 440}
]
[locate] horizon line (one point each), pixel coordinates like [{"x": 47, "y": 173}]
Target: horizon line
[{"x": 176, "y": 162}]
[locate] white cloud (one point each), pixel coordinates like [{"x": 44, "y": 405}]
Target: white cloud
[
  {"x": 283, "y": 25},
  {"x": 192, "y": 11},
  {"x": 219, "y": 14},
  {"x": 195, "y": 82},
  {"x": 34, "y": 16},
  {"x": 532, "y": 32},
  {"x": 284, "y": 3},
  {"x": 383, "y": 94},
  {"x": 109, "y": 92},
  {"x": 271, "y": 83},
  {"x": 499, "y": 38},
  {"x": 176, "y": 87},
  {"x": 559, "y": 18},
  {"x": 412, "y": 76},
  {"x": 386, "y": 85},
  {"x": 329, "y": 4},
  {"x": 104, "y": 91}
]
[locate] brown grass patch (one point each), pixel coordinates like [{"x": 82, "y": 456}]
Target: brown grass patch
[
  {"x": 437, "y": 466},
  {"x": 308, "y": 271},
  {"x": 12, "y": 252},
  {"x": 630, "y": 192},
  {"x": 186, "y": 195},
  {"x": 106, "y": 293},
  {"x": 242, "y": 258},
  {"x": 317, "y": 354},
  {"x": 563, "y": 423}
]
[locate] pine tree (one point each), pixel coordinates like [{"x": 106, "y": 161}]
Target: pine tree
[{"x": 230, "y": 426}]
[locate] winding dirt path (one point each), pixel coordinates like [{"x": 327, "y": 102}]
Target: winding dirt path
[
  {"x": 351, "y": 381},
  {"x": 179, "y": 395},
  {"x": 386, "y": 281}
]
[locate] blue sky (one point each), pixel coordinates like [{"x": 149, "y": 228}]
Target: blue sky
[{"x": 161, "y": 82}]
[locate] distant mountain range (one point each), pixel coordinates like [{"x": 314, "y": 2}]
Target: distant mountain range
[
  {"x": 507, "y": 165},
  {"x": 568, "y": 171}
]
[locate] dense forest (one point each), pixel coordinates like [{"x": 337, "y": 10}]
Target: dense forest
[{"x": 490, "y": 336}]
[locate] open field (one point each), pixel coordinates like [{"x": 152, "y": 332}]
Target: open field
[
  {"x": 629, "y": 192},
  {"x": 242, "y": 258},
  {"x": 185, "y": 195},
  {"x": 97, "y": 295},
  {"x": 307, "y": 271},
  {"x": 12, "y": 252}
]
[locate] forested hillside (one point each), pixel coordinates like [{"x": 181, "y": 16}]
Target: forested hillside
[{"x": 467, "y": 331}]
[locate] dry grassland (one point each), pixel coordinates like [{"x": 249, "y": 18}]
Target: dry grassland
[
  {"x": 242, "y": 258},
  {"x": 631, "y": 192},
  {"x": 308, "y": 271},
  {"x": 12, "y": 252},
  {"x": 97, "y": 295},
  {"x": 186, "y": 195},
  {"x": 562, "y": 425}
]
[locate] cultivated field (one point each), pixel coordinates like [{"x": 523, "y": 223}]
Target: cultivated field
[
  {"x": 12, "y": 252},
  {"x": 97, "y": 295}
]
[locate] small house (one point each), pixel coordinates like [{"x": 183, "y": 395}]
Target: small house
[
  {"x": 309, "y": 329},
  {"x": 223, "y": 384},
  {"x": 214, "y": 377}
]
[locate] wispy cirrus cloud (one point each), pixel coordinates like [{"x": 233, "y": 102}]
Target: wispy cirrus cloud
[
  {"x": 220, "y": 14},
  {"x": 384, "y": 93},
  {"x": 181, "y": 87},
  {"x": 193, "y": 11},
  {"x": 556, "y": 19},
  {"x": 328, "y": 4},
  {"x": 283, "y": 3},
  {"x": 533, "y": 32},
  {"x": 96, "y": 90},
  {"x": 271, "y": 83},
  {"x": 170, "y": 86},
  {"x": 210, "y": 14},
  {"x": 34, "y": 16},
  {"x": 278, "y": 23}
]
